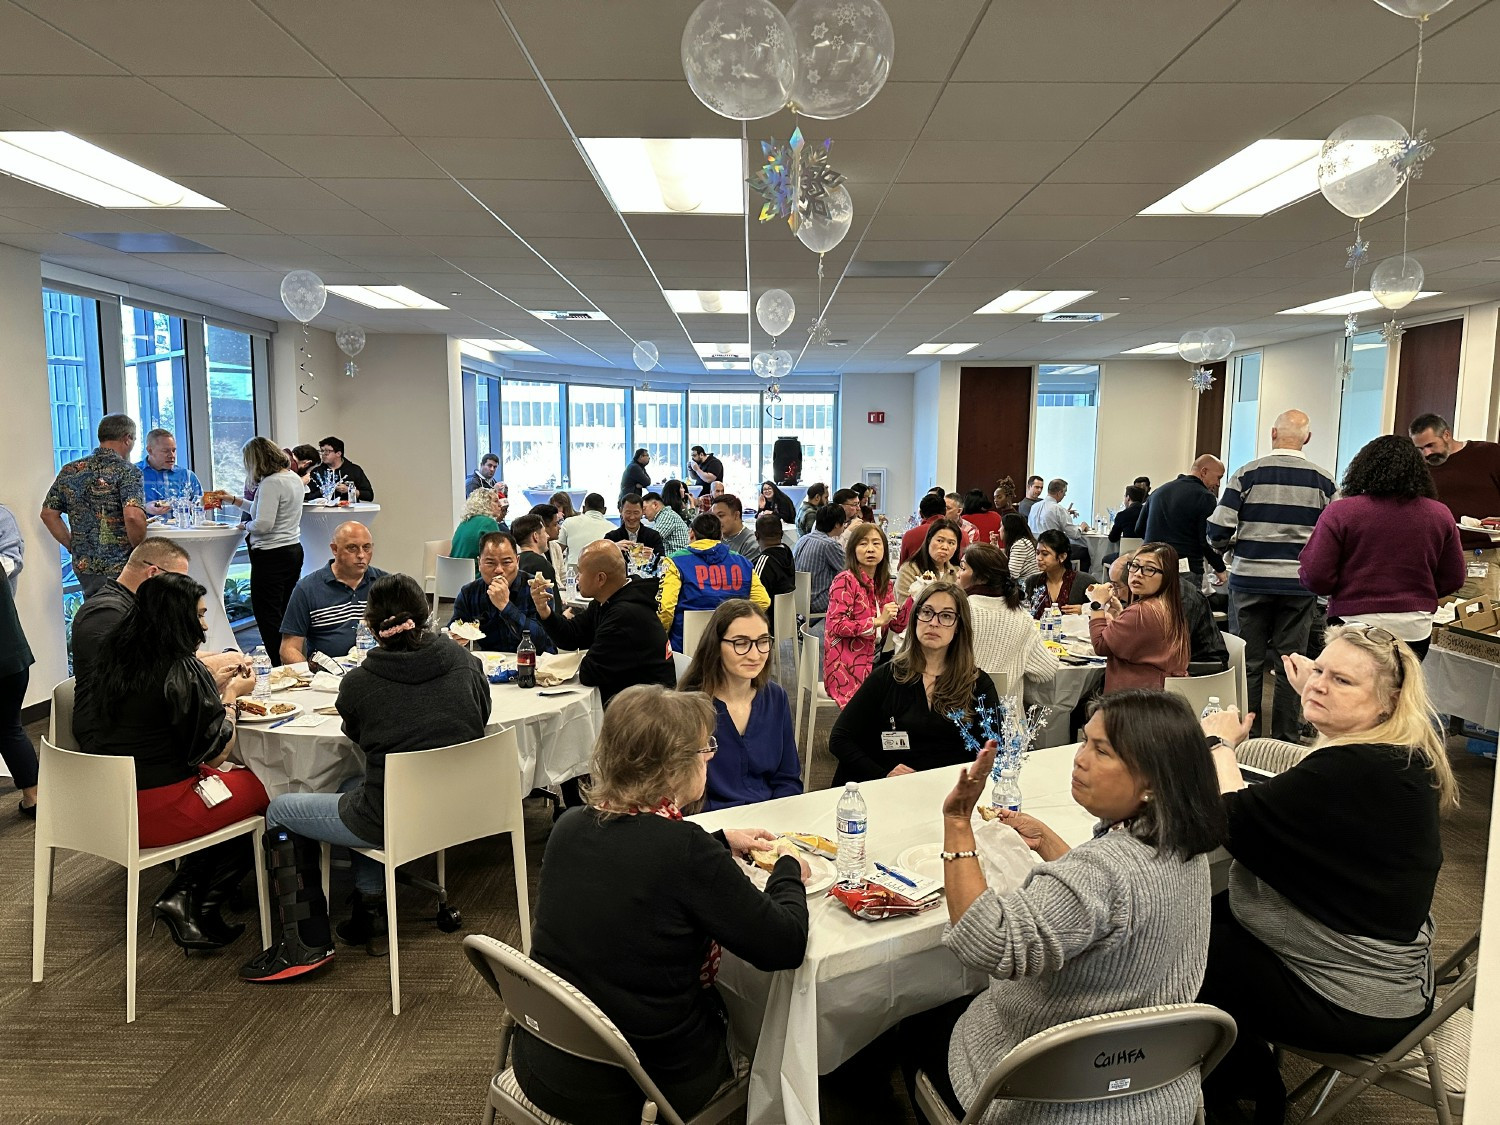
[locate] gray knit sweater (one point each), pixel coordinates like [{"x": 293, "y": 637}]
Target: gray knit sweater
[{"x": 1111, "y": 925}]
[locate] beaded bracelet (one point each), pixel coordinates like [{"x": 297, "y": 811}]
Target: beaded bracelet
[{"x": 949, "y": 857}]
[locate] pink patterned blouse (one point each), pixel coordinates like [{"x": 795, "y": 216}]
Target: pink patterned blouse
[{"x": 851, "y": 645}]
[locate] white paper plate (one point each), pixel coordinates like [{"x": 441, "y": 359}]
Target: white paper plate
[
  {"x": 924, "y": 860},
  {"x": 821, "y": 877},
  {"x": 276, "y": 718}
]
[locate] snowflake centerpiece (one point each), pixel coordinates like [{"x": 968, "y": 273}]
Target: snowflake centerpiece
[
  {"x": 1201, "y": 379},
  {"x": 971, "y": 742}
]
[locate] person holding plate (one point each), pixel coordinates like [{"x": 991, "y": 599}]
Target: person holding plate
[
  {"x": 634, "y": 906},
  {"x": 499, "y": 600}
]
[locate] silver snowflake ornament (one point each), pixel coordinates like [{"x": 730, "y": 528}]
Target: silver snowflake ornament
[
  {"x": 1391, "y": 331},
  {"x": 1407, "y": 156},
  {"x": 1357, "y": 253},
  {"x": 1201, "y": 379},
  {"x": 1344, "y": 368},
  {"x": 820, "y": 331},
  {"x": 1351, "y": 325}
]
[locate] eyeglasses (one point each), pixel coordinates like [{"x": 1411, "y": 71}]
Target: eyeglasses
[
  {"x": 1382, "y": 637},
  {"x": 325, "y": 449},
  {"x": 711, "y": 749},
  {"x": 947, "y": 618},
  {"x": 1144, "y": 570},
  {"x": 742, "y": 645}
]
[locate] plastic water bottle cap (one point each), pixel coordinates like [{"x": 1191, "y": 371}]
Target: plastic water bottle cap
[{"x": 851, "y": 787}]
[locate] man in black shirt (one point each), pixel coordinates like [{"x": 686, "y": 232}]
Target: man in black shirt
[
  {"x": 773, "y": 566},
  {"x": 706, "y": 468},
  {"x": 347, "y": 473},
  {"x": 531, "y": 540},
  {"x": 1177, "y": 513},
  {"x": 632, "y": 530}
]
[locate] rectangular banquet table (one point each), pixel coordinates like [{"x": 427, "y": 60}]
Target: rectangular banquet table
[
  {"x": 1463, "y": 685},
  {"x": 860, "y": 978},
  {"x": 555, "y": 735}
]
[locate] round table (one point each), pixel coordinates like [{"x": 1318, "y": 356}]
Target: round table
[
  {"x": 535, "y": 496},
  {"x": 210, "y": 548},
  {"x": 318, "y": 523},
  {"x": 1099, "y": 546},
  {"x": 1063, "y": 692}
]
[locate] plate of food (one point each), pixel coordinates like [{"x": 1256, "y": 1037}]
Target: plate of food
[
  {"x": 821, "y": 870},
  {"x": 254, "y": 711},
  {"x": 924, "y": 860},
  {"x": 285, "y": 678},
  {"x": 467, "y": 631}
]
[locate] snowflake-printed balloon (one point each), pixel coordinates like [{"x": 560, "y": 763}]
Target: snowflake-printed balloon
[
  {"x": 737, "y": 57},
  {"x": 843, "y": 55}
]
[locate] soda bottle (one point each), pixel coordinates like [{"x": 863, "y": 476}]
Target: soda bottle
[
  {"x": 1213, "y": 707},
  {"x": 260, "y": 660},
  {"x": 526, "y": 663},
  {"x": 853, "y": 821}
]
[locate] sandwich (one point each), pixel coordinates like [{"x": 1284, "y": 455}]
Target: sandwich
[
  {"x": 765, "y": 857},
  {"x": 252, "y": 707}
]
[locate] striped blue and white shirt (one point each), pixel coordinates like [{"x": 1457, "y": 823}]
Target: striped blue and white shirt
[
  {"x": 326, "y": 611},
  {"x": 1268, "y": 510}
]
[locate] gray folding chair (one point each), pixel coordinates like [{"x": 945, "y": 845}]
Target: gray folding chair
[
  {"x": 1151, "y": 1047},
  {"x": 560, "y": 1015}
]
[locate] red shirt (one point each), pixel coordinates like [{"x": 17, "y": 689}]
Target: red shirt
[
  {"x": 911, "y": 541},
  {"x": 988, "y": 526}
]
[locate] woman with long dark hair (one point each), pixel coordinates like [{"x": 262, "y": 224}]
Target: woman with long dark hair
[
  {"x": 1020, "y": 547},
  {"x": 166, "y": 710},
  {"x": 1006, "y": 639},
  {"x": 1056, "y": 583},
  {"x": 1145, "y": 639},
  {"x": 756, "y": 759},
  {"x": 1352, "y": 556},
  {"x": 935, "y": 561},
  {"x": 674, "y": 494},
  {"x": 412, "y": 671},
  {"x": 773, "y": 500}
]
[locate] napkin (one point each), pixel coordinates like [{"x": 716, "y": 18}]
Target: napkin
[
  {"x": 557, "y": 668},
  {"x": 1003, "y": 855},
  {"x": 325, "y": 681}
]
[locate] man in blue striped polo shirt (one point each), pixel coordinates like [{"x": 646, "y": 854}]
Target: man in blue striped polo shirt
[
  {"x": 326, "y": 606},
  {"x": 1267, "y": 513}
]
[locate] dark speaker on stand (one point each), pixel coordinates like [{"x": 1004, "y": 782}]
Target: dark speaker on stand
[{"x": 786, "y": 460}]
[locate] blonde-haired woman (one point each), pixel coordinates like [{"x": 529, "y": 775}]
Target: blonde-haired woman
[
  {"x": 1323, "y": 940},
  {"x": 481, "y": 516},
  {"x": 273, "y": 535},
  {"x": 1145, "y": 639},
  {"x": 862, "y": 612},
  {"x": 634, "y": 905},
  {"x": 897, "y": 722}
]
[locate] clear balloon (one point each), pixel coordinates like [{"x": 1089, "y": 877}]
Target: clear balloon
[
  {"x": 1414, "y": 9},
  {"x": 1193, "y": 347},
  {"x": 843, "y": 55},
  {"x": 645, "y": 355},
  {"x": 1356, "y": 172},
  {"x": 760, "y": 365},
  {"x": 1396, "y": 281},
  {"x": 820, "y": 234},
  {"x": 1217, "y": 344},
  {"x": 772, "y": 365},
  {"x": 351, "y": 340},
  {"x": 738, "y": 58},
  {"x": 775, "y": 311},
  {"x": 304, "y": 294}
]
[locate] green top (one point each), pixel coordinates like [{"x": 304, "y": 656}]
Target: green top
[
  {"x": 15, "y": 653},
  {"x": 468, "y": 533}
]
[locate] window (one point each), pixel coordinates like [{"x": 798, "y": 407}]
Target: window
[
  {"x": 1362, "y": 403},
  {"x": 1244, "y": 410},
  {"x": 482, "y": 390},
  {"x": 596, "y": 438},
  {"x": 156, "y": 373},
  {"x": 531, "y": 434},
  {"x": 727, "y": 424},
  {"x": 1067, "y": 408},
  {"x": 809, "y": 417},
  {"x": 231, "y": 405},
  {"x": 658, "y": 430}
]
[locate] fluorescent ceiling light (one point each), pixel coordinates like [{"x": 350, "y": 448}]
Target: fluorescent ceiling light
[
  {"x": 735, "y": 301},
  {"x": 63, "y": 163},
  {"x": 702, "y": 176},
  {"x": 1166, "y": 347},
  {"x": 1342, "y": 304},
  {"x": 1260, "y": 178},
  {"x": 1034, "y": 302},
  {"x": 502, "y": 345},
  {"x": 385, "y": 296},
  {"x": 736, "y": 353},
  {"x": 726, "y": 365},
  {"x": 1072, "y": 369},
  {"x": 941, "y": 349}
]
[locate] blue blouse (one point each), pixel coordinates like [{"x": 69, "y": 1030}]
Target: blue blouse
[{"x": 760, "y": 764}]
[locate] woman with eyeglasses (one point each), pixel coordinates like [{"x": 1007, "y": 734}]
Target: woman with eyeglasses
[
  {"x": 863, "y": 610},
  {"x": 1323, "y": 940},
  {"x": 1056, "y": 583},
  {"x": 634, "y": 906},
  {"x": 778, "y": 503},
  {"x": 756, "y": 757},
  {"x": 935, "y": 560},
  {"x": 1350, "y": 556},
  {"x": 1145, "y": 638},
  {"x": 897, "y": 722}
]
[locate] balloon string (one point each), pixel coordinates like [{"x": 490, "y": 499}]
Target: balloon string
[
  {"x": 745, "y": 190},
  {"x": 1354, "y": 258},
  {"x": 1416, "y": 83}
]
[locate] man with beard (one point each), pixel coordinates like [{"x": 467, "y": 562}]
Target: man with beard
[{"x": 1467, "y": 476}]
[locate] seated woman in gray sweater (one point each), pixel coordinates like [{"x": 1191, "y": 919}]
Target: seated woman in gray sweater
[
  {"x": 416, "y": 690},
  {"x": 1118, "y": 922}
]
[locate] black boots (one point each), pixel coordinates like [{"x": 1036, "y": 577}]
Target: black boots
[
  {"x": 301, "y": 911},
  {"x": 366, "y": 925},
  {"x": 190, "y": 904}
]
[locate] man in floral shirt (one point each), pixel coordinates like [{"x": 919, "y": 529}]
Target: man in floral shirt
[{"x": 103, "y": 497}]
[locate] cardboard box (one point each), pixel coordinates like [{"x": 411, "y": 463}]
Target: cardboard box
[{"x": 1474, "y": 631}]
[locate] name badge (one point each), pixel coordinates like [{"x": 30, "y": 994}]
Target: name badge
[{"x": 895, "y": 740}]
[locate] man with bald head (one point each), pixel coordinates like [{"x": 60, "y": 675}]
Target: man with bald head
[
  {"x": 626, "y": 643},
  {"x": 1177, "y": 513},
  {"x": 326, "y": 606},
  {"x": 1267, "y": 515}
]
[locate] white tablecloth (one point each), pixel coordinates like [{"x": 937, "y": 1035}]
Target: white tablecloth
[
  {"x": 210, "y": 549},
  {"x": 318, "y": 522},
  {"x": 1099, "y": 545},
  {"x": 1463, "y": 685},
  {"x": 860, "y": 978},
  {"x": 1062, "y": 693},
  {"x": 555, "y": 735}
]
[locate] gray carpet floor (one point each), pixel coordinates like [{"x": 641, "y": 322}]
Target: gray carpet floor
[{"x": 207, "y": 1048}]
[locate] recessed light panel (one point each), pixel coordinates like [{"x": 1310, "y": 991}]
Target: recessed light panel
[
  {"x": 1262, "y": 177},
  {"x": 942, "y": 349},
  {"x": 385, "y": 296},
  {"x": 735, "y": 353},
  {"x": 568, "y": 314},
  {"x": 734, "y": 301},
  {"x": 1165, "y": 347},
  {"x": 1343, "y": 304},
  {"x": 65, "y": 164},
  {"x": 701, "y": 176},
  {"x": 503, "y": 345},
  {"x": 1033, "y": 302}
]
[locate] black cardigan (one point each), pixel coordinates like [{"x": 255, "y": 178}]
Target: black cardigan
[
  {"x": 882, "y": 704},
  {"x": 1349, "y": 836}
]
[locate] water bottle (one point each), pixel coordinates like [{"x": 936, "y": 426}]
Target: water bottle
[
  {"x": 364, "y": 639},
  {"x": 1213, "y": 707},
  {"x": 526, "y": 662},
  {"x": 853, "y": 821},
  {"x": 261, "y": 662},
  {"x": 570, "y": 581},
  {"x": 1007, "y": 791}
]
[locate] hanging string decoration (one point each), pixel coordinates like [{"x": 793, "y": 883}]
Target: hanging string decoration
[
  {"x": 1391, "y": 331},
  {"x": 304, "y": 295},
  {"x": 351, "y": 341}
]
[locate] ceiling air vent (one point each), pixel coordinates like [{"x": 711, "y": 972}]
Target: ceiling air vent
[
  {"x": 568, "y": 314},
  {"x": 866, "y": 268},
  {"x": 1073, "y": 317}
]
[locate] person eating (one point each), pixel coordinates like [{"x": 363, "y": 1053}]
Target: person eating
[
  {"x": 934, "y": 561},
  {"x": 1144, "y": 639},
  {"x": 778, "y": 503},
  {"x": 499, "y": 600},
  {"x": 324, "y": 611},
  {"x": 1006, "y": 640}
]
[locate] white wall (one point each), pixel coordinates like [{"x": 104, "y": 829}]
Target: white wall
[
  {"x": 1474, "y": 415},
  {"x": 26, "y": 460},
  {"x": 888, "y": 446},
  {"x": 1148, "y": 415},
  {"x": 1303, "y": 374},
  {"x": 924, "y": 419},
  {"x": 294, "y": 418}
]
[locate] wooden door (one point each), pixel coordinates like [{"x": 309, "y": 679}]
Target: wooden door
[
  {"x": 1211, "y": 414},
  {"x": 994, "y": 428},
  {"x": 1427, "y": 372}
]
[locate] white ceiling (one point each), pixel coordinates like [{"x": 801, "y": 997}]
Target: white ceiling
[{"x": 353, "y": 137}]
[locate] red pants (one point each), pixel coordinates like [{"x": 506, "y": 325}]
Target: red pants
[{"x": 170, "y": 814}]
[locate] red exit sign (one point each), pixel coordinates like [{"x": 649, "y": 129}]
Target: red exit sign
[{"x": 876, "y": 417}]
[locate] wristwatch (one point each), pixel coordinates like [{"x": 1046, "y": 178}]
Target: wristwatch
[
  {"x": 1214, "y": 742},
  {"x": 1096, "y": 606}
]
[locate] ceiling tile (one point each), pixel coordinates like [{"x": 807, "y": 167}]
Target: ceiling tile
[
  {"x": 1026, "y": 111},
  {"x": 462, "y": 107},
  {"x": 28, "y": 45},
  {"x": 278, "y": 105},
  {"x": 87, "y": 104}
]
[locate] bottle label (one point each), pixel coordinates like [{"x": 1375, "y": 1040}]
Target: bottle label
[{"x": 852, "y": 827}]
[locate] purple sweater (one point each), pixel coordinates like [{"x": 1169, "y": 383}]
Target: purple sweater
[{"x": 1379, "y": 554}]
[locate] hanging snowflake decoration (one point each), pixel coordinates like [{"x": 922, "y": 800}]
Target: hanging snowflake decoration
[
  {"x": 795, "y": 180},
  {"x": 643, "y": 387},
  {"x": 819, "y": 331},
  {"x": 1351, "y": 325},
  {"x": 773, "y": 392},
  {"x": 1408, "y": 155},
  {"x": 1391, "y": 331},
  {"x": 1201, "y": 379},
  {"x": 1357, "y": 253},
  {"x": 1344, "y": 368}
]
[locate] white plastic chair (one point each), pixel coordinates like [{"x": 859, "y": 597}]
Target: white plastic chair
[
  {"x": 802, "y": 590},
  {"x": 438, "y": 799},
  {"x": 694, "y": 622},
  {"x": 452, "y": 576},
  {"x": 1236, "y": 648},
  {"x": 1128, "y": 545},
  {"x": 784, "y": 628},
  {"x": 559, "y": 1014},
  {"x": 90, "y": 807},
  {"x": 60, "y": 728},
  {"x": 810, "y": 685},
  {"x": 431, "y": 549},
  {"x": 1001, "y": 680},
  {"x": 1197, "y": 689}
]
